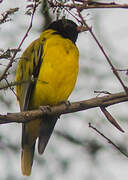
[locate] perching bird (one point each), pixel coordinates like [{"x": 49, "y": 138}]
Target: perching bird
[{"x": 52, "y": 62}]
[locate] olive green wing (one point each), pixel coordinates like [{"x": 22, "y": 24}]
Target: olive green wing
[{"x": 27, "y": 72}]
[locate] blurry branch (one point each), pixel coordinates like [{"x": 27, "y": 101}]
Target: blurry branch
[
  {"x": 70, "y": 138},
  {"x": 109, "y": 141},
  {"x": 8, "y": 145},
  {"x": 32, "y": 8},
  {"x": 6, "y": 101},
  {"x": 6, "y": 15},
  {"x": 91, "y": 145},
  {"x": 63, "y": 108}
]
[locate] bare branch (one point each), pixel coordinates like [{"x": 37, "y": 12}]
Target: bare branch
[
  {"x": 109, "y": 141},
  {"x": 27, "y": 116}
]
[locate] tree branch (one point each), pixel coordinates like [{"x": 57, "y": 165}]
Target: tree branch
[
  {"x": 82, "y": 5},
  {"x": 27, "y": 116}
]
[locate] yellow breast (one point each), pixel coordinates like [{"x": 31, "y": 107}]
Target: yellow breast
[{"x": 58, "y": 72}]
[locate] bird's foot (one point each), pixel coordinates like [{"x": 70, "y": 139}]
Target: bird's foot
[
  {"x": 45, "y": 109},
  {"x": 66, "y": 103}
]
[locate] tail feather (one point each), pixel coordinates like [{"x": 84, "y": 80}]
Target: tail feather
[
  {"x": 30, "y": 133},
  {"x": 46, "y": 130},
  {"x": 27, "y": 159}
]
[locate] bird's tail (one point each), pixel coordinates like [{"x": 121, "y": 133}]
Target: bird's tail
[
  {"x": 42, "y": 129},
  {"x": 27, "y": 159},
  {"x": 30, "y": 132}
]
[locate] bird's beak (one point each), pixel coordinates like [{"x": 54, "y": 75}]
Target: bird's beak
[{"x": 81, "y": 29}]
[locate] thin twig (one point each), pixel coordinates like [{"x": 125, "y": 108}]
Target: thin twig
[
  {"x": 11, "y": 88},
  {"x": 102, "y": 92},
  {"x": 109, "y": 141},
  {"x": 26, "y": 34},
  {"x": 122, "y": 70}
]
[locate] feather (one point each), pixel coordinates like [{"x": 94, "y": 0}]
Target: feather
[{"x": 46, "y": 130}]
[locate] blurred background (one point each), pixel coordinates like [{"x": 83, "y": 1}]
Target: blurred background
[{"x": 75, "y": 152}]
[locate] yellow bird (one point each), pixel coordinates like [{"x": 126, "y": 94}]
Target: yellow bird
[{"x": 52, "y": 62}]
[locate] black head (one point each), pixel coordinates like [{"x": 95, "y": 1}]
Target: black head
[{"x": 66, "y": 28}]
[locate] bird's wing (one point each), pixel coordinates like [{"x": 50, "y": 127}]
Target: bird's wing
[
  {"x": 27, "y": 72},
  {"x": 37, "y": 57}
]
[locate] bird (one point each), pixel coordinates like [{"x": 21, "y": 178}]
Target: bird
[{"x": 49, "y": 66}]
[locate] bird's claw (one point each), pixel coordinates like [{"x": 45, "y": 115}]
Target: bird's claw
[
  {"x": 67, "y": 103},
  {"x": 45, "y": 109}
]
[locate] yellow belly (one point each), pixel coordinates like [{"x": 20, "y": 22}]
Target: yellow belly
[{"x": 58, "y": 73}]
